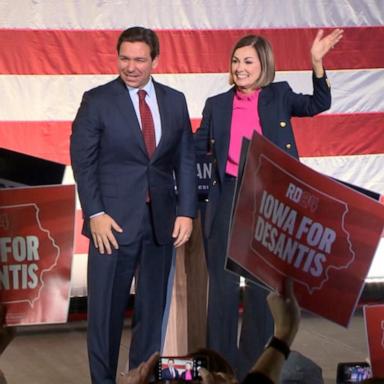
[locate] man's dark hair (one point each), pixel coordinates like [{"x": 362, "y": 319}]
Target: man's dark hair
[{"x": 142, "y": 34}]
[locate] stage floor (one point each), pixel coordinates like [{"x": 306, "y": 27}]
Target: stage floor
[{"x": 57, "y": 354}]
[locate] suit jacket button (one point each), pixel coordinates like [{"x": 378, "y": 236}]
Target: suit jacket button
[
  {"x": 288, "y": 146},
  {"x": 212, "y": 141},
  {"x": 206, "y": 200},
  {"x": 283, "y": 124}
]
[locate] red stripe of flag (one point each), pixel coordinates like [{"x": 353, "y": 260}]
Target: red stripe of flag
[
  {"x": 340, "y": 134},
  {"x": 48, "y": 140},
  {"x": 55, "y": 52},
  {"x": 324, "y": 135}
]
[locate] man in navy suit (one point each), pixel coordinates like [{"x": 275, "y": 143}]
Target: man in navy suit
[
  {"x": 138, "y": 202},
  {"x": 170, "y": 373}
]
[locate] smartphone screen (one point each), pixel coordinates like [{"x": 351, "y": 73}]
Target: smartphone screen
[
  {"x": 353, "y": 372},
  {"x": 184, "y": 368}
]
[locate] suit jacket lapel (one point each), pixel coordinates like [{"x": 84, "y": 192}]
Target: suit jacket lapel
[
  {"x": 162, "y": 104},
  {"x": 128, "y": 114},
  {"x": 222, "y": 129},
  {"x": 265, "y": 102}
]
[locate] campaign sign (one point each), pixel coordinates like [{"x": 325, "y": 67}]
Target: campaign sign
[
  {"x": 374, "y": 323},
  {"x": 36, "y": 248},
  {"x": 204, "y": 174},
  {"x": 291, "y": 221}
]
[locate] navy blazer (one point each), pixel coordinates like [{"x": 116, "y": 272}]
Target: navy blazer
[
  {"x": 112, "y": 168},
  {"x": 276, "y": 105},
  {"x": 166, "y": 374}
]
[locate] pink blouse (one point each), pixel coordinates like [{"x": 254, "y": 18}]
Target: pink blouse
[{"x": 245, "y": 120}]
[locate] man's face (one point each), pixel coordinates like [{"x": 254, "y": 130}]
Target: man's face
[
  {"x": 135, "y": 64},
  {"x": 170, "y": 363}
]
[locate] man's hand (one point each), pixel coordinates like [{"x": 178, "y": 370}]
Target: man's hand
[
  {"x": 286, "y": 313},
  {"x": 102, "y": 235},
  {"x": 142, "y": 373},
  {"x": 182, "y": 230}
]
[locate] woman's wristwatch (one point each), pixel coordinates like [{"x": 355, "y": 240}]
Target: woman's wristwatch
[{"x": 279, "y": 345}]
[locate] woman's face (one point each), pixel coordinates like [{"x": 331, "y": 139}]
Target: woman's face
[{"x": 245, "y": 68}]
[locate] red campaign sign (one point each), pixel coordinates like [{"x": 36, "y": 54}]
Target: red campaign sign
[
  {"x": 374, "y": 323},
  {"x": 36, "y": 249},
  {"x": 291, "y": 221}
]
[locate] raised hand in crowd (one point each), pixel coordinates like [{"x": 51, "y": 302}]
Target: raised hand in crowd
[
  {"x": 141, "y": 374},
  {"x": 286, "y": 315}
]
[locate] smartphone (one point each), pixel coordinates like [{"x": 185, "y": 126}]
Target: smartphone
[
  {"x": 353, "y": 372},
  {"x": 185, "y": 368}
]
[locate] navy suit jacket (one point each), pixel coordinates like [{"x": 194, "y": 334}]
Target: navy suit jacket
[
  {"x": 113, "y": 171},
  {"x": 276, "y": 105},
  {"x": 166, "y": 374}
]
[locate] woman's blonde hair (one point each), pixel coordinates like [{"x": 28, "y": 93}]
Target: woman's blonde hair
[{"x": 264, "y": 51}]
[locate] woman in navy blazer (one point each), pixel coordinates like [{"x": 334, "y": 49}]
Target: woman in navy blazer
[{"x": 252, "y": 72}]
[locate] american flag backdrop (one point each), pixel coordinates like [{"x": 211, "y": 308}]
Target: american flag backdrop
[{"x": 54, "y": 50}]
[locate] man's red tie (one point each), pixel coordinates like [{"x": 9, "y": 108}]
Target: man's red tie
[{"x": 147, "y": 125}]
